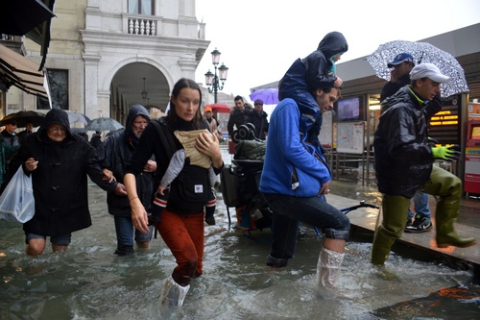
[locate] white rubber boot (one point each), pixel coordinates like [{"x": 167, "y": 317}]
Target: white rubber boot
[
  {"x": 172, "y": 294},
  {"x": 328, "y": 272}
]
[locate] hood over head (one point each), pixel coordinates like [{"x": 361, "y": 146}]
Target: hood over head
[
  {"x": 55, "y": 116},
  {"x": 334, "y": 43},
  {"x": 135, "y": 110}
]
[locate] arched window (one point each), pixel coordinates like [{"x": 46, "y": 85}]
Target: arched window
[{"x": 144, "y": 7}]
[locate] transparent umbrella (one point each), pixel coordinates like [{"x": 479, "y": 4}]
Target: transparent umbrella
[
  {"x": 77, "y": 117},
  {"x": 103, "y": 124},
  {"x": 421, "y": 52}
]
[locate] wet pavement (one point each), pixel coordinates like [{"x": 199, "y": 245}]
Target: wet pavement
[{"x": 90, "y": 282}]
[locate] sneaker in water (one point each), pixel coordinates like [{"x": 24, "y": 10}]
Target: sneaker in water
[{"x": 419, "y": 225}]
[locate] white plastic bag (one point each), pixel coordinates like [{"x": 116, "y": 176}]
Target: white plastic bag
[{"x": 17, "y": 203}]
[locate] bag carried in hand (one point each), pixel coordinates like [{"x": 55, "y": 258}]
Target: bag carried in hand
[{"x": 17, "y": 203}]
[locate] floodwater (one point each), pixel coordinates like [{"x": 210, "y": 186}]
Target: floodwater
[{"x": 88, "y": 281}]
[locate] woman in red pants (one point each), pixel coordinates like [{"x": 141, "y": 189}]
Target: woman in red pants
[{"x": 181, "y": 225}]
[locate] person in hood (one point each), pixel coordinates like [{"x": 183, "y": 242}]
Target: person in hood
[
  {"x": 114, "y": 154},
  {"x": 59, "y": 163},
  {"x": 318, "y": 69},
  {"x": 404, "y": 159}
]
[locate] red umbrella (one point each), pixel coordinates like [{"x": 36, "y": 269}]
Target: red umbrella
[{"x": 219, "y": 107}]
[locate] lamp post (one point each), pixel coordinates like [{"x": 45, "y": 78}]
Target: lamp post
[{"x": 211, "y": 79}]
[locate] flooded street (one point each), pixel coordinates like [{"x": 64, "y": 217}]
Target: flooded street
[{"x": 90, "y": 282}]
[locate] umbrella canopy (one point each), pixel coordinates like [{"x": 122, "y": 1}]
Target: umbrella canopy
[
  {"x": 77, "y": 117},
  {"x": 421, "y": 52},
  {"x": 269, "y": 96},
  {"x": 103, "y": 124},
  {"x": 17, "y": 17},
  {"x": 23, "y": 117},
  {"x": 219, "y": 107}
]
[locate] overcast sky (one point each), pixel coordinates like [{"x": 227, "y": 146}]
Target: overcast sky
[{"x": 259, "y": 39}]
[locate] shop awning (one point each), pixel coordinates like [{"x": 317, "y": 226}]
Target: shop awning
[{"x": 21, "y": 72}]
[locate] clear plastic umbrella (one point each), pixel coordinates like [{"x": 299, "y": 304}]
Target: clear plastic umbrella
[
  {"x": 421, "y": 52},
  {"x": 77, "y": 117},
  {"x": 103, "y": 124}
]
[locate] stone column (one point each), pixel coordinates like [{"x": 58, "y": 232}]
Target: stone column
[{"x": 91, "y": 85}]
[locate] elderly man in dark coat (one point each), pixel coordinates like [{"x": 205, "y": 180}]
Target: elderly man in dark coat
[
  {"x": 59, "y": 163},
  {"x": 114, "y": 155}
]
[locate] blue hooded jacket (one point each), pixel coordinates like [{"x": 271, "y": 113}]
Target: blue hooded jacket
[{"x": 287, "y": 153}]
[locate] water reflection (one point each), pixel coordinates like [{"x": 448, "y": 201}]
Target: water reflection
[{"x": 90, "y": 282}]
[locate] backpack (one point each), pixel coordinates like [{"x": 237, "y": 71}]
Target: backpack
[{"x": 250, "y": 150}]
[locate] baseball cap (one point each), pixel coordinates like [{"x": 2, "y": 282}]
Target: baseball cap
[
  {"x": 428, "y": 70},
  {"x": 402, "y": 57},
  {"x": 207, "y": 109},
  {"x": 258, "y": 101}
]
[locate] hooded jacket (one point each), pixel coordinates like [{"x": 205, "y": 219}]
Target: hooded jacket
[
  {"x": 115, "y": 153},
  {"x": 315, "y": 71},
  {"x": 287, "y": 154},
  {"x": 60, "y": 179},
  {"x": 403, "y": 155}
]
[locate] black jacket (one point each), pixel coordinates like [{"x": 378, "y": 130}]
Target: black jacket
[
  {"x": 390, "y": 88},
  {"x": 259, "y": 120},
  {"x": 114, "y": 154},
  {"x": 10, "y": 140},
  {"x": 163, "y": 147},
  {"x": 96, "y": 141},
  {"x": 237, "y": 118},
  {"x": 60, "y": 179},
  {"x": 403, "y": 155}
]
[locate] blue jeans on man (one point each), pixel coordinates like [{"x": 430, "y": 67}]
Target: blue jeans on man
[
  {"x": 125, "y": 235},
  {"x": 312, "y": 211},
  {"x": 422, "y": 215}
]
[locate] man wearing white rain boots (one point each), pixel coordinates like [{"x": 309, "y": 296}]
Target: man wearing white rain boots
[
  {"x": 295, "y": 174},
  {"x": 404, "y": 164}
]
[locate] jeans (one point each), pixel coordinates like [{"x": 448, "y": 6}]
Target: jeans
[
  {"x": 422, "y": 209},
  {"x": 124, "y": 230},
  {"x": 288, "y": 210},
  {"x": 62, "y": 240}
]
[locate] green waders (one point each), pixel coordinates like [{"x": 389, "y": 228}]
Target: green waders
[{"x": 443, "y": 184}]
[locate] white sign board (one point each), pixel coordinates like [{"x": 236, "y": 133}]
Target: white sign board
[{"x": 350, "y": 137}]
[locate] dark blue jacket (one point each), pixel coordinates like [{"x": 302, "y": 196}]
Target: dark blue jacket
[
  {"x": 114, "y": 154},
  {"x": 315, "y": 71}
]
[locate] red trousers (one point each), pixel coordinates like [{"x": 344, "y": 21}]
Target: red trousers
[{"x": 184, "y": 235}]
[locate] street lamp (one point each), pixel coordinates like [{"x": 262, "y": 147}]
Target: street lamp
[{"x": 211, "y": 79}]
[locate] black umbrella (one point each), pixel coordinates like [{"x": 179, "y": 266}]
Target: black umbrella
[
  {"x": 23, "y": 117},
  {"x": 17, "y": 17}
]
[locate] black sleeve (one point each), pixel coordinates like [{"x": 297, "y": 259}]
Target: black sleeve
[{"x": 143, "y": 151}]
